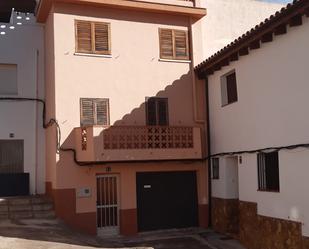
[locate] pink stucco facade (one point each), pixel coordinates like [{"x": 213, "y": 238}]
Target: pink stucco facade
[{"x": 133, "y": 72}]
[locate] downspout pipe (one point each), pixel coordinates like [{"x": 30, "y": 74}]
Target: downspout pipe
[
  {"x": 36, "y": 123},
  {"x": 194, "y": 80},
  {"x": 208, "y": 152}
]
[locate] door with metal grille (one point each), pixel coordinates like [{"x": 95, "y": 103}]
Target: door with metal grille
[
  {"x": 107, "y": 205},
  {"x": 13, "y": 180}
]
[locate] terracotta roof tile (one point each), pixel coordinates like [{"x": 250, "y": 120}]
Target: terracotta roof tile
[{"x": 291, "y": 14}]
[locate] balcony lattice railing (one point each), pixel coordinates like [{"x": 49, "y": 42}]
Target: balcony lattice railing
[{"x": 147, "y": 137}]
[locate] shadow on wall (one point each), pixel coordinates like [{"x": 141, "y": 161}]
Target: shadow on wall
[
  {"x": 180, "y": 114},
  {"x": 179, "y": 96},
  {"x": 180, "y": 109}
]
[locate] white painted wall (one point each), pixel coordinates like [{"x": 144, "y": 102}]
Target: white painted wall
[
  {"x": 20, "y": 46},
  {"x": 272, "y": 110},
  {"x": 226, "y": 186},
  {"x": 292, "y": 202},
  {"x": 226, "y": 20}
]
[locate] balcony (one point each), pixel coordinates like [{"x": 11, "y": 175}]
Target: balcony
[
  {"x": 187, "y": 3},
  {"x": 125, "y": 143}
]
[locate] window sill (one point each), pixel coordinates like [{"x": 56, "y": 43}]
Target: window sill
[
  {"x": 268, "y": 191},
  {"x": 229, "y": 103},
  {"x": 94, "y": 55},
  {"x": 9, "y": 95},
  {"x": 171, "y": 60},
  {"x": 95, "y": 126}
]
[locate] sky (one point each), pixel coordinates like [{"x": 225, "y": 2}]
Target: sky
[{"x": 277, "y": 1}]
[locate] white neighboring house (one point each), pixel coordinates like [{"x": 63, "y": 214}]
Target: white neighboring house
[
  {"x": 22, "y": 137},
  {"x": 228, "y": 19},
  {"x": 258, "y": 99}
]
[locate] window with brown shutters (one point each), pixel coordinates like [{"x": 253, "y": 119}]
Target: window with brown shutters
[
  {"x": 157, "y": 111},
  {"x": 229, "y": 88},
  {"x": 215, "y": 168},
  {"x": 94, "y": 111},
  {"x": 92, "y": 37},
  {"x": 11, "y": 156},
  {"x": 174, "y": 44}
]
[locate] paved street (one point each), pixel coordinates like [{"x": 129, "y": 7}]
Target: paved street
[{"x": 53, "y": 234}]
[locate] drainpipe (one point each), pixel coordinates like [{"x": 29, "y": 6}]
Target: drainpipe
[
  {"x": 36, "y": 122},
  {"x": 194, "y": 81},
  {"x": 208, "y": 151}
]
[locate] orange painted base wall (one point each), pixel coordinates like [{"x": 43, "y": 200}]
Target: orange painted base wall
[
  {"x": 80, "y": 213},
  {"x": 65, "y": 208},
  {"x": 203, "y": 215}
]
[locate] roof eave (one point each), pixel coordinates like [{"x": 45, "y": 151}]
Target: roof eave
[
  {"x": 194, "y": 12},
  {"x": 252, "y": 39}
]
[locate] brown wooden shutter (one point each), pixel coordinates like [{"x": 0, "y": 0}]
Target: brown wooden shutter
[
  {"x": 162, "y": 111},
  {"x": 102, "y": 38},
  {"x": 151, "y": 111},
  {"x": 157, "y": 111},
  {"x": 231, "y": 87},
  {"x": 11, "y": 156},
  {"x": 181, "y": 44},
  {"x": 174, "y": 44},
  {"x": 272, "y": 171},
  {"x": 83, "y": 37},
  {"x": 87, "y": 112},
  {"x": 102, "y": 112},
  {"x": 166, "y": 44}
]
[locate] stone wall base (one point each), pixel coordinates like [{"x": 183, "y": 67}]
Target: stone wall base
[
  {"x": 225, "y": 214},
  {"x": 305, "y": 242},
  {"x": 261, "y": 232}
]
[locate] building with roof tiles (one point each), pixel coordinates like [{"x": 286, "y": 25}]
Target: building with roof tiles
[{"x": 257, "y": 104}]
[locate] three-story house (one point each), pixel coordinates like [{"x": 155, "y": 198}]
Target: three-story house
[{"x": 121, "y": 85}]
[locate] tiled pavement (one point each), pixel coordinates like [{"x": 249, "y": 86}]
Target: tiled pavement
[{"x": 53, "y": 234}]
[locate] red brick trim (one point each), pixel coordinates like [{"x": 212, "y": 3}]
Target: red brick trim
[
  {"x": 203, "y": 215},
  {"x": 128, "y": 222},
  {"x": 65, "y": 208},
  {"x": 49, "y": 189}
]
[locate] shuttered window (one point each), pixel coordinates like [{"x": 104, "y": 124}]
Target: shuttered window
[
  {"x": 11, "y": 156},
  {"x": 229, "y": 88},
  {"x": 93, "y": 37},
  {"x": 215, "y": 168},
  {"x": 94, "y": 111},
  {"x": 157, "y": 111},
  {"x": 174, "y": 44}
]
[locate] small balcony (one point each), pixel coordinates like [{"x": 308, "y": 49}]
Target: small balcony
[
  {"x": 138, "y": 143},
  {"x": 187, "y": 3}
]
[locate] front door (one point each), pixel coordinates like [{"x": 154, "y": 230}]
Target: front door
[
  {"x": 13, "y": 180},
  {"x": 107, "y": 205}
]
